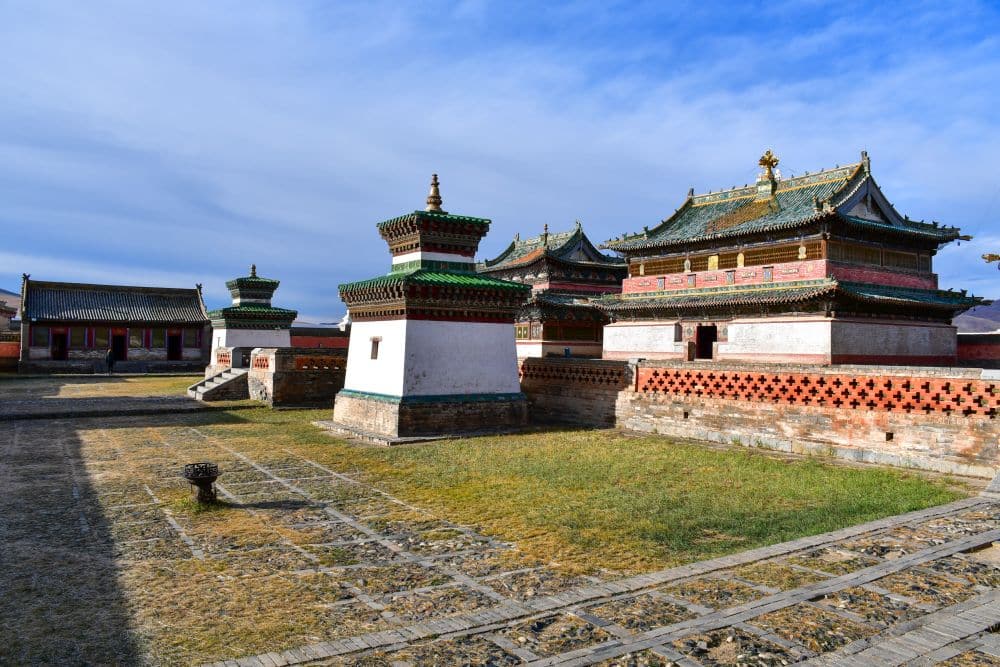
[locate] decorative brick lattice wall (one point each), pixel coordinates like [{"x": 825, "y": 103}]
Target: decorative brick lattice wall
[{"x": 962, "y": 397}]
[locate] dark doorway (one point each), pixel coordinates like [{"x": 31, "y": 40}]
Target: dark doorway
[
  {"x": 119, "y": 346},
  {"x": 706, "y": 336},
  {"x": 59, "y": 345},
  {"x": 174, "y": 348}
]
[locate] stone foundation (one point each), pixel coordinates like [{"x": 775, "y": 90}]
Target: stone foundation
[{"x": 388, "y": 419}]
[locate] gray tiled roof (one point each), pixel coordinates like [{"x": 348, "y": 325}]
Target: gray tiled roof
[{"x": 69, "y": 302}]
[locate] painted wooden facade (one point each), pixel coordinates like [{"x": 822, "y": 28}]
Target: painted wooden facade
[{"x": 564, "y": 271}]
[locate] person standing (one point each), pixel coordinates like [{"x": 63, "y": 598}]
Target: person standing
[{"x": 109, "y": 359}]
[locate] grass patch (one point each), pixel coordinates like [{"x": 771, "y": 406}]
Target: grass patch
[
  {"x": 599, "y": 499},
  {"x": 94, "y": 386}
]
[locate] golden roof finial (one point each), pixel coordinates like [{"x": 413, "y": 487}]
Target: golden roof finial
[
  {"x": 769, "y": 161},
  {"x": 253, "y": 270},
  {"x": 434, "y": 196}
]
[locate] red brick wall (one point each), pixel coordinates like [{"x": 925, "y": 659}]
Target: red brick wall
[
  {"x": 320, "y": 342},
  {"x": 10, "y": 352}
]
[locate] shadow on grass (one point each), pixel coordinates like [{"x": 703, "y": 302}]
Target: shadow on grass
[{"x": 60, "y": 602}]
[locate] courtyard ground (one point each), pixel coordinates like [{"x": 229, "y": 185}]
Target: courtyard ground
[{"x": 557, "y": 547}]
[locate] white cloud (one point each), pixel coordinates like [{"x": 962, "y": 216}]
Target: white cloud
[{"x": 194, "y": 138}]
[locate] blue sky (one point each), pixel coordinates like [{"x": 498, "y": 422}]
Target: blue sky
[{"x": 177, "y": 142}]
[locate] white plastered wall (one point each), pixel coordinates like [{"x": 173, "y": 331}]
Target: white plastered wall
[
  {"x": 852, "y": 337},
  {"x": 765, "y": 339},
  {"x": 643, "y": 339},
  {"x": 430, "y": 358},
  {"x": 250, "y": 338},
  {"x": 383, "y": 375},
  {"x": 460, "y": 358}
]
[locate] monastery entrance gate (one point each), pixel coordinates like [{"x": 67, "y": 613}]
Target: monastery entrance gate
[{"x": 706, "y": 337}]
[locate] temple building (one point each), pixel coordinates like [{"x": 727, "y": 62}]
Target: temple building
[
  {"x": 564, "y": 270},
  {"x": 819, "y": 268},
  {"x": 432, "y": 343},
  {"x": 251, "y": 321},
  {"x": 69, "y": 327},
  {"x": 6, "y": 315}
]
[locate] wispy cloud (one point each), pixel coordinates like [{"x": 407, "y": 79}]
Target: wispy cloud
[{"x": 185, "y": 140}]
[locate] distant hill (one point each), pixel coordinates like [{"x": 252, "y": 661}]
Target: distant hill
[{"x": 983, "y": 318}]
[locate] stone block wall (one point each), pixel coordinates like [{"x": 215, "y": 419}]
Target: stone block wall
[
  {"x": 296, "y": 376},
  {"x": 574, "y": 391},
  {"x": 387, "y": 418},
  {"x": 943, "y": 419}
]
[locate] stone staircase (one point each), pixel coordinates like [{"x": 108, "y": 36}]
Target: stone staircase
[{"x": 229, "y": 385}]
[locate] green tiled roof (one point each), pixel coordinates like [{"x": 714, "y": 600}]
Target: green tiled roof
[
  {"x": 572, "y": 246},
  {"x": 252, "y": 310},
  {"x": 790, "y": 292},
  {"x": 912, "y": 227},
  {"x": 797, "y": 201},
  {"x": 434, "y": 215},
  {"x": 438, "y": 278},
  {"x": 885, "y": 293},
  {"x": 77, "y": 302}
]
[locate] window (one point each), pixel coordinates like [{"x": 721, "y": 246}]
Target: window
[
  {"x": 375, "y": 342},
  {"x": 101, "y": 338},
  {"x": 191, "y": 338},
  {"x": 730, "y": 277},
  {"x": 691, "y": 280},
  {"x": 39, "y": 336},
  {"x": 135, "y": 338},
  {"x": 661, "y": 283},
  {"x": 521, "y": 331},
  {"x": 768, "y": 274},
  {"x": 78, "y": 337},
  {"x": 159, "y": 338}
]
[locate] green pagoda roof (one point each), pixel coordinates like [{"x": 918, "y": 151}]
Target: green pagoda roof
[
  {"x": 831, "y": 194},
  {"x": 252, "y": 309},
  {"x": 434, "y": 215},
  {"x": 435, "y": 278},
  {"x": 573, "y": 247}
]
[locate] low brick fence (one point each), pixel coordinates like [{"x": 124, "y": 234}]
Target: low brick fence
[
  {"x": 573, "y": 391},
  {"x": 937, "y": 419},
  {"x": 296, "y": 376}
]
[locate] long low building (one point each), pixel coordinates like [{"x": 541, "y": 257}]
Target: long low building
[{"x": 69, "y": 327}]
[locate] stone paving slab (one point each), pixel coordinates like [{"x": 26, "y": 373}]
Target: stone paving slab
[{"x": 975, "y": 618}]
